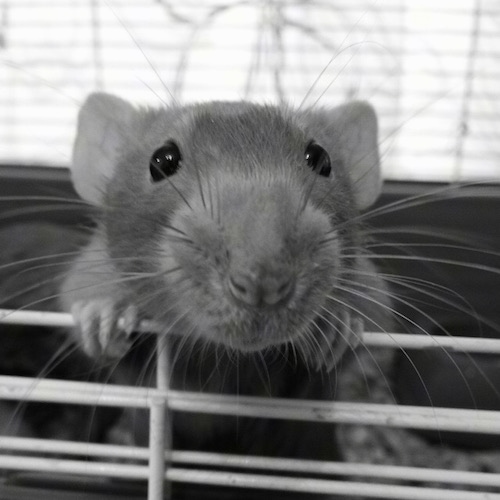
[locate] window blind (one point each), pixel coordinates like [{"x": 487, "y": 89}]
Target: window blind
[{"x": 431, "y": 69}]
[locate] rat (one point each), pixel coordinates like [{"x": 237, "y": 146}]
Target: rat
[{"x": 235, "y": 228}]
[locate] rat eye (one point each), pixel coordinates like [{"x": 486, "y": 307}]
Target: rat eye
[
  {"x": 165, "y": 161},
  {"x": 318, "y": 159}
]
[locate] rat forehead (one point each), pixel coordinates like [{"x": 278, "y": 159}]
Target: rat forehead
[{"x": 234, "y": 127}]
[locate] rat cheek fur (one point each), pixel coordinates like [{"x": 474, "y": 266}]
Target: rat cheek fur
[{"x": 191, "y": 261}]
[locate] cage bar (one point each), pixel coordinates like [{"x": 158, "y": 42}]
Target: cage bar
[{"x": 149, "y": 464}]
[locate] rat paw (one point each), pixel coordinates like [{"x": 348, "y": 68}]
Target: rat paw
[
  {"x": 348, "y": 331},
  {"x": 103, "y": 327}
]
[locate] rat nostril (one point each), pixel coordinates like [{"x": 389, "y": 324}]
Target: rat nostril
[
  {"x": 260, "y": 291},
  {"x": 279, "y": 290},
  {"x": 244, "y": 288},
  {"x": 285, "y": 287},
  {"x": 240, "y": 287}
]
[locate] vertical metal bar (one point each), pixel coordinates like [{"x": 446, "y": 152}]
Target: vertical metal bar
[
  {"x": 160, "y": 432},
  {"x": 156, "y": 450}
]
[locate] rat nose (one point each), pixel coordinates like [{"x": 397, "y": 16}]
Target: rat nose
[{"x": 261, "y": 290}]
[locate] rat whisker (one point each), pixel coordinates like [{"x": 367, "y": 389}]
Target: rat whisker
[
  {"x": 310, "y": 346},
  {"x": 176, "y": 230},
  {"x": 200, "y": 186},
  {"x": 435, "y": 195},
  {"x": 461, "y": 237},
  {"x": 306, "y": 196},
  {"x": 46, "y": 83},
  {"x": 360, "y": 313},
  {"x": 180, "y": 239},
  {"x": 167, "y": 179},
  {"x": 217, "y": 191},
  {"x": 470, "y": 249},
  {"x": 40, "y": 258},
  {"x": 324, "y": 336},
  {"x": 336, "y": 319},
  {"x": 211, "y": 200},
  {"x": 54, "y": 296},
  {"x": 435, "y": 260},
  {"x": 357, "y": 46},
  {"x": 336, "y": 54},
  {"x": 141, "y": 50},
  {"x": 463, "y": 306},
  {"x": 219, "y": 351},
  {"x": 441, "y": 193},
  {"x": 181, "y": 347},
  {"x": 301, "y": 350},
  {"x": 154, "y": 92},
  {"x": 11, "y": 215},
  {"x": 422, "y": 285},
  {"x": 179, "y": 192},
  {"x": 330, "y": 237},
  {"x": 292, "y": 348},
  {"x": 261, "y": 368},
  {"x": 420, "y": 328}
]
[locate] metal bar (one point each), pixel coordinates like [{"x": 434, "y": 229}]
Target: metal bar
[
  {"x": 236, "y": 479},
  {"x": 80, "y": 467},
  {"x": 69, "y": 392},
  {"x": 375, "y": 339},
  {"x": 159, "y": 427},
  {"x": 156, "y": 476},
  {"x": 162, "y": 400},
  {"x": 322, "y": 486},
  {"x": 394, "y": 472}
]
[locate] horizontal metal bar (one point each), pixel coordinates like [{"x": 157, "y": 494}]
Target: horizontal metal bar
[
  {"x": 374, "y": 339},
  {"x": 422, "y": 341},
  {"x": 80, "y": 467},
  {"x": 32, "y": 389},
  {"x": 69, "y": 392},
  {"x": 206, "y": 459},
  {"x": 237, "y": 479},
  {"x": 322, "y": 486},
  {"x": 47, "y": 318}
]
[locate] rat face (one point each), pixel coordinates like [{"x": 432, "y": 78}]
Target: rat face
[{"x": 241, "y": 218}]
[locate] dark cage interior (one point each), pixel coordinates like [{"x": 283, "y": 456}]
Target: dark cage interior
[{"x": 436, "y": 243}]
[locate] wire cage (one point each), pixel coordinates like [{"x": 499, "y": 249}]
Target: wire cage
[
  {"x": 431, "y": 72},
  {"x": 159, "y": 466}
]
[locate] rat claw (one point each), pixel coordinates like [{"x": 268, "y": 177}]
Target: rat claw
[
  {"x": 107, "y": 323},
  {"x": 130, "y": 320},
  {"x": 96, "y": 321},
  {"x": 345, "y": 322},
  {"x": 113, "y": 342},
  {"x": 84, "y": 320},
  {"x": 358, "y": 327}
]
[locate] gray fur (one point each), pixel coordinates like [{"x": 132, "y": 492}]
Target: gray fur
[
  {"x": 243, "y": 208},
  {"x": 243, "y": 191}
]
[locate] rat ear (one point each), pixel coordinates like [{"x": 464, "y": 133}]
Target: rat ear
[
  {"x": 351, "y": 131},
  {"x": 356, "y": 128},
  {"x": 103, "y": 124}
]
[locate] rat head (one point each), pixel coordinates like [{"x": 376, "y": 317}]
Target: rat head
[{"x": 230, "y": 221}]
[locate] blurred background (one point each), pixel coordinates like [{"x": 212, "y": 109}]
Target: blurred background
[{"x": 430, "y": 68}]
